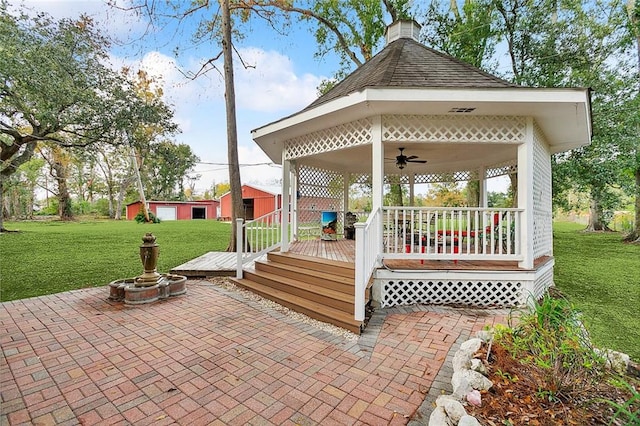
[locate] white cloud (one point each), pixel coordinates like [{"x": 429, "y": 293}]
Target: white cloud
[
  {"x": 121, "y": 23},
  {"x": 269, "y": 89},
  {"x": 271, "y": 83}
]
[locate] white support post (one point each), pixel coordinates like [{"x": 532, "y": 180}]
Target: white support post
[
  {"x": 484, "y": 199},
  {"x": 525, "y": 195},
  {"x": 345, "y": 196},
  {"x": 239, "y": 246},
  {"x": 377, "y": 170},
  {"x": 412, "y": 182},
  {"x": 294, "y": 200},
  {"x": 286, "y": 187},
  {"x": 360, "y": 273}
]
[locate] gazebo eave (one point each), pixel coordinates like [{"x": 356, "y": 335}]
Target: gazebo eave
[{"x": 563, "y": 114}]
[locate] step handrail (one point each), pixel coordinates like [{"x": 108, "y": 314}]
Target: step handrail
[
  {"x": 257, "y": 237},
  {"x": 368, "y": 238}
]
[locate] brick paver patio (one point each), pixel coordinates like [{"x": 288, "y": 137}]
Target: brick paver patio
[{"x": 214, "y": 357}]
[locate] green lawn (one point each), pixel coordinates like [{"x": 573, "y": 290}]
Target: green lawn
[
  {"x": 598, "y": 273},
  {"x": 601, "y": 276},
  {"x": 50, "y": 257}
]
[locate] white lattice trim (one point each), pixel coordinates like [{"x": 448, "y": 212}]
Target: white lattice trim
[
  {"x": 496, "y": 293},
  {"x": 460, "y": 176},
  {"x": 502, "y": 170},
  {"x": 317, "y": 182},
  {"x": 332, "y": 139},
  {"x": 542, "y": 209},
  {"x": 446, "y": 128},
  {"x": 543, "y": 280},
  {"x": 360, "y": 179}
]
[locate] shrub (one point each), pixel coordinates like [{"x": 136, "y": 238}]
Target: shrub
[
  {"x": 551, "y": 337},
  {"x": 141, "y": 219}
]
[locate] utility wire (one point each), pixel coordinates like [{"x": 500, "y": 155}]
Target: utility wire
[{"x": 241, "y": 165}]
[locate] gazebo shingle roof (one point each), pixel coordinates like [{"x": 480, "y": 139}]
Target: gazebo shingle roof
[{"x": 405, "y": 63}]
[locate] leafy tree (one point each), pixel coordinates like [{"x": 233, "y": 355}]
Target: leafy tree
[
  {"x": 353, "y": 29},
  {"x": 216, "y": 27},
  {"x": 20, "y": 189},
  {"x": 446, "y": 194},
  {"x": 165, "y": 170},
  {"x": 59, "y": 160},
  {"x": 468, "y": 34},
  {"x": 553, "y": 43},
  {"x": 498, "y": 199},
  {"x": 633, "y": 124},
  {"x": 115, "y": 166},
  {"x": 55, "y": 87},
  {"x": 464, "y": 31}
]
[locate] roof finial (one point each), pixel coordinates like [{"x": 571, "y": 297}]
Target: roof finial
[{"x": 403, "y": 28}]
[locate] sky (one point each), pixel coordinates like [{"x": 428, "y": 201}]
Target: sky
[{"x": 281, "y": 78}]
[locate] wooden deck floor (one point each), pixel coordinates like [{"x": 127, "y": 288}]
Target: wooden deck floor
[
  {"x": 224, "y": 263},
  {"x": 342, "y": 250},
  {"x": 210, "y": 264}
]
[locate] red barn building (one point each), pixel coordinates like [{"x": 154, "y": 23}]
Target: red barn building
[
  {"x": 177, "y": 210},
  {"x": 257, "y": 201}
]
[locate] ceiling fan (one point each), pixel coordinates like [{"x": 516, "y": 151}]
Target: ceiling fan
[{"x": 402, "y": 160}]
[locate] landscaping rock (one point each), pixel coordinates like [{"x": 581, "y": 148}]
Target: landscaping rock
[
  {"x": 471, "y": 345},
  {"x": 478, "y": 365},
  {"x": 485, "y": 335},
  {"x": 453, "y": 408},
  {"x": 617, "y": 361},
  {"x": 473, "y": 378},
  {"x": 439, "y": 417},
  {"x": 461, "y": 388},
  {"x": 468, "y": 421},
  {"x": 461, "y": 360}
]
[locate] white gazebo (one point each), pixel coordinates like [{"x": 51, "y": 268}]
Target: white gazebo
[{"x": 453, "y": 122}]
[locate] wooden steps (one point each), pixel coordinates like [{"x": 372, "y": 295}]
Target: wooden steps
[{"x": 320, "y": 288}]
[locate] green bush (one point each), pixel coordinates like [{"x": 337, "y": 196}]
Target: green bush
[
  {"x": 551, "y": 337},
  {"x": 141, "y": 219},
  {"x": 50, "y": 208},
  {"x": 101, "y": 207}
]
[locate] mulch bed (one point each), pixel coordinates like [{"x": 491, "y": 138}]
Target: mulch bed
[{"x": 518, "y": 395}]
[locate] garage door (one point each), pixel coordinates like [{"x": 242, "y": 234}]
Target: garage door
[{"x": 166, "y": 213}]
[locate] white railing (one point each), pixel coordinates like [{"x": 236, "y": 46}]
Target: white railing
[
  {"x": 452, "y": 233},
  {"x": 368, "y": 237},
  {"x": 257, "y": 237}
]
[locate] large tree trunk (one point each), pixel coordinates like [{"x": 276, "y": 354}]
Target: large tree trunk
[
  {"x": 2, "y": 228},
  {"x": 595, "y": 217},
  {"x": 513, "y": 177},
  {"x": 473, "y": 193},
  {"x": 395, "y": 193},
  {"x": 64, "y": 198},
  {"x": 237, "y": 210},
  {"x": 136, "y": 171},
  {"x": 634, "y": 235},
  {"x": 124, "y": 185}
]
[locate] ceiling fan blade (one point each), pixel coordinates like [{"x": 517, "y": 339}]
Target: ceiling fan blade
[
  {"x": 412, "y": 157},
  {"x": 416, "y": 161}
]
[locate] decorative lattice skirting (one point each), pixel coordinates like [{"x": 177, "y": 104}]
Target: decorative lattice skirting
[
  {"x": 467, "y": 288},
  {"x": 436, "y": 292}
]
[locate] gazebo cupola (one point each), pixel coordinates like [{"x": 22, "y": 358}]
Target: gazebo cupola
[{"x": 403, "y": 29}]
